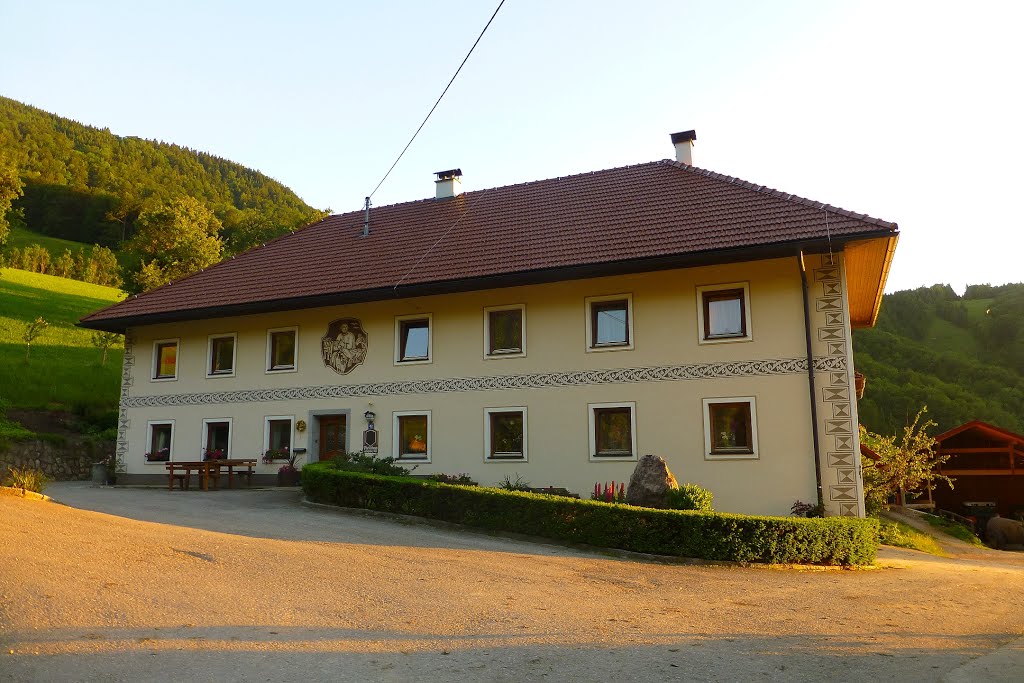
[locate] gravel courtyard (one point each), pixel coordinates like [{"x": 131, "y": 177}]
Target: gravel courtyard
[{"x": 251, "y": 585}]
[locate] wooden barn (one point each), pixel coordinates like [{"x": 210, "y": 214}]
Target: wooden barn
[{"x": 987, "y": 465}]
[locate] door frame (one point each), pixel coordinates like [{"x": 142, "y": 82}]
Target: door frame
[{"x": 313, "y": 452}]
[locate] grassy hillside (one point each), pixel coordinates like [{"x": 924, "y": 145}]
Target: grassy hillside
[
  {"x": 63, "y": 370},
  {"x": 21, "y": 238},
  {"x": 963, "y": 357}
]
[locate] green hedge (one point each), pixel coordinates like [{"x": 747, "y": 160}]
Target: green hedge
[{"x": 707, "y": 535}]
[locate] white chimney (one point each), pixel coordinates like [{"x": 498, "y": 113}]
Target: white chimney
[
  {"x": 684, "y": 143},
  {"x": 449, "y": 183}
]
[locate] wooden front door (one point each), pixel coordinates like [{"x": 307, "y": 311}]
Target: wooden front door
[{"x": 332, "y": 436}]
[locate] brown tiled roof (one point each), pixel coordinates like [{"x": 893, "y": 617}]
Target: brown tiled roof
[{"x": 653, "y": 212}]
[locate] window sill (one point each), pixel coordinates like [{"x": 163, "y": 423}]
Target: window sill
[
  {"x": 505, "y": 458},
  {"x": 281, "y": 370},
  {"x": 498, "y": 355},
  {"x": 164, "y": 379},
  {"x": 725, "y": 340},
  {"x": 731, "y": 456},
  {"x": 414, "y": 361},
  {"x": 416, "y": 459},
  {"x": 612, "y": 458},
  {"x": 216, "y": 375},
  {"x": 610, "y": 347}
]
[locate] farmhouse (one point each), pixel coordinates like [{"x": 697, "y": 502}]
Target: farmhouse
[{"x": 551, "y": 331}]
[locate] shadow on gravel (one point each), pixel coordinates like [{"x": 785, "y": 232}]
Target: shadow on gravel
[{"x": 284, "y": 654}]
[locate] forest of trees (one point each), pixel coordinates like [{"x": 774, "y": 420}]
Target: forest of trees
[
  {"x": 963, "y": 357},
  {"x": 88, "y": 185}
]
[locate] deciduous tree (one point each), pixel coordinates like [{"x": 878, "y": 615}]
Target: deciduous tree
[
  {"x": 173, "y": 240},
  {"x": 905, "y": 462}
]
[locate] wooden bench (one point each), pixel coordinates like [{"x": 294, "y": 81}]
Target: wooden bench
[
  {"x": 209, "y": 470},
  {"x": 246, "y": 469}
]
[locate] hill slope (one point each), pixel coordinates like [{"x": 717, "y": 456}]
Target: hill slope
[
  {"x": 962, "y": 356},
  {"x": 88, "y": 185},
  {"x": 63, "y": 370}
]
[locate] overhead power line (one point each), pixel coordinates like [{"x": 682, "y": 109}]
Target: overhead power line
[{"x": 438, "y": 101}]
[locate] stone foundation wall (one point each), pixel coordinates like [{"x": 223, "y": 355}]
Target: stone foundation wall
[{"x": 67, "y": 461}]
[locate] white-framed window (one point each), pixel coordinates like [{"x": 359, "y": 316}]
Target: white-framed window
[
  {"x": 730, "y": 428},
  {"x": 723, "y": 313},
  {"x": 413, "y": 338},
  {"x": 216, "y": 438},
  {"x": 165, "y": 360},
  {"x": 612, "y": 429},
  {"x": 220, "y": 355},
  {"x": 159, "y": 441},
  {"x": 505, "y": 331},
  {"x": 277, "y": 436},
  {"x": 283, "y": 349},
  {"x": 609, "y": 322},
  {"x": 505, "y": 434},
  {"x": 412, "y": 435}
]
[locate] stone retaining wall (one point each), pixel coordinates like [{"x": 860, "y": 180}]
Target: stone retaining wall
[{"x": 68, "y": 461}]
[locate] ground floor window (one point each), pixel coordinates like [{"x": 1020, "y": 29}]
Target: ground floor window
[
  {"x": 412, "y": 435},
  {"x": 277, "y": 437},
  {"x": 612, "y": 431},
  {"x": 730, "y": 427},
  {"x": 217, "y": 439},
  {"x": 505, "y": 433},
  {"x": 160, "y": 440}
]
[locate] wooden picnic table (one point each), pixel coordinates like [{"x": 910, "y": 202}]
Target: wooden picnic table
[{"x": 182, "y": 471}]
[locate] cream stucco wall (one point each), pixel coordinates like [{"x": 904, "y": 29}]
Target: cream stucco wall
[{"x": 669, "y": 413}]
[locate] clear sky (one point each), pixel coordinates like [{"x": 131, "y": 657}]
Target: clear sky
[{"x": 907, "y": 111}]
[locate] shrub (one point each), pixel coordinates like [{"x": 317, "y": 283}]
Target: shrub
[
  {"x": 689, "y": 497},
  {"x": 369, "y": 463},
  {"x": 802, "y": 509},
  {"x": 708, "y": 535},
  {"x": 462, "y": 479},
  {"x": 26, "y": 479},
  {"x": 507, "y": 484}
]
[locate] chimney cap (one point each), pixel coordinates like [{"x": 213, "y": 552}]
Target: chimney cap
[
  {"x": 450, "y": 173},
  {"x": 685, "y": 136}
]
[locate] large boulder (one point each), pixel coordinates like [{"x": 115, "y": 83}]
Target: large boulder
[
  {"x": 1001, "y": 532},
  {"x": 650, "y": 483}
]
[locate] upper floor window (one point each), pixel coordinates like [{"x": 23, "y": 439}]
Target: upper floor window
[
  {"x": 723, "y": 313},
  {"x": 282, "y": 346},
  {"x": 505, "y": 331},
  {"x": 412, "y": 338},
  {"x": 165, "y": 359},
  {"x": 610, "y": 322},
  {"x": 730, "y": 427},
  {"x": 221, "y": 356}
]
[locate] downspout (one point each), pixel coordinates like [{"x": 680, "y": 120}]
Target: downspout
[{"x": 810, "y": 378}]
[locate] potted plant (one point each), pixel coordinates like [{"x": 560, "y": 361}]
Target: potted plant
[
  {"x": 112, "y": 463},
  {"x": 214, "y": 454},
  {"x": 289, "y": 474},
  {"x": 162, "y": 455},
  {"x": 273, "y": 454}
]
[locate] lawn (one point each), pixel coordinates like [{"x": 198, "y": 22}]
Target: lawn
[
  {"x": 63, "y": 370},
  {"x": 22, "y": 238}
]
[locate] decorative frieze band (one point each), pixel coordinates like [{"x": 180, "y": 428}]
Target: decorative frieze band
[{"x": 540, "y": 380}]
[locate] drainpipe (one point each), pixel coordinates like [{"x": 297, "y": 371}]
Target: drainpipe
[{"x": 810, "y": 377}]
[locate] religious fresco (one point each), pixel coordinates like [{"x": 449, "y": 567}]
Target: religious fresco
[{"x": 344, "y": 346}]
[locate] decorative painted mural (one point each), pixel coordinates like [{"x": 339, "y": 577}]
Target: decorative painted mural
[
  {"x": 539, "y": 380},
  {"x": 344, "y": 346}
]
